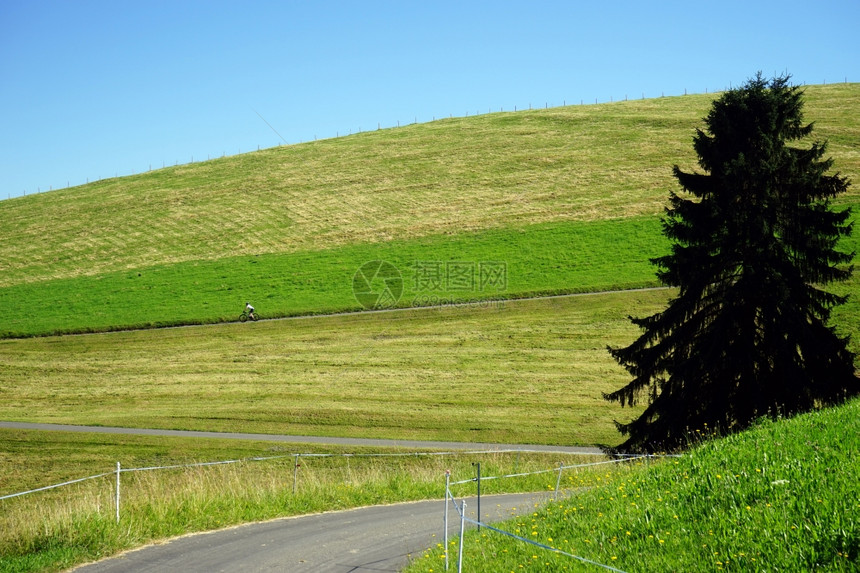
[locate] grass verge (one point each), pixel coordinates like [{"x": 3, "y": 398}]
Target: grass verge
[{"x": 782, "y": 496}]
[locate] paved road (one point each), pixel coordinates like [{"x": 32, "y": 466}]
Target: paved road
[
  {"x": 365, "y": 442},
  {"x": 380, "y": 538}
]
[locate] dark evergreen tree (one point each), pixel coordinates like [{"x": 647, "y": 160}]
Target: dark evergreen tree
[{"x": 753, "y": 240}]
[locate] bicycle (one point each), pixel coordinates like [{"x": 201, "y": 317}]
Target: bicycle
[{"x": 247, "y": 315}]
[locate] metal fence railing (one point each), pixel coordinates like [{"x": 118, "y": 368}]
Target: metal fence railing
[
  {"x": 296, "y": 464},
  {"x": 449, "y": 496}
]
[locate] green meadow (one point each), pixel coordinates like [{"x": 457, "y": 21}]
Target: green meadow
[
  {"x": 527, "y": 371},
  {"x": 598, "y": 256}
]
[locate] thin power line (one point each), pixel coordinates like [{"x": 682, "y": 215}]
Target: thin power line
[{"x": 270, "y": 126}]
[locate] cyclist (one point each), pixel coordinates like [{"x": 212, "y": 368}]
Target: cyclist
[{"x": 250, "y": 310}]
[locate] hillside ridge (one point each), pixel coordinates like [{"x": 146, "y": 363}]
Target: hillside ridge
[{"x": 573, "y": 163}]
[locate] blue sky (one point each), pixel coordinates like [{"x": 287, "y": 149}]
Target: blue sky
[{"x": 92, "y": 89}]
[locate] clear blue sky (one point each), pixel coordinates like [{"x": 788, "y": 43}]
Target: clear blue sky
[{"x": 94, "y": 89}]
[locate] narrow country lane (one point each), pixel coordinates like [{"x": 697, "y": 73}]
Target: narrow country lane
[
  {"x": 378, "y": 539},
  {"x": 363, "y": 442}
]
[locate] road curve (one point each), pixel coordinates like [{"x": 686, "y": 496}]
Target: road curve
[
  {"x": 378, "y": 539},
  {"x": 363, "y": 442}
]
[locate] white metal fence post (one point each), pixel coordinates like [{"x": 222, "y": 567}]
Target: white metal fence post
[
  {"x": 558, "y": 480},
  {"x": 462, "y": 538},
  {"x": 478, "y": 479},
  {"x": 447, "y": 494},
  {"x": 117, "y": 491}
]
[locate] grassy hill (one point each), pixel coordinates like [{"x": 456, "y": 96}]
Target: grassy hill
[
  {"x": 565, "y": 200},
  {"x": 568, "y": 198},
  {"x": 446, "y": 177}
]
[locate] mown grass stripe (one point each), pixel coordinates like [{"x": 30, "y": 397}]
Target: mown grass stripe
[{"x": 543, "y": 259}]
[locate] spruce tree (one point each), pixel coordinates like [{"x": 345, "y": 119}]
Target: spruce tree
[{"x": 753, "y": 240}]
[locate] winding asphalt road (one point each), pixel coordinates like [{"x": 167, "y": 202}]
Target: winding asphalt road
[{"x": 378, "y": 538}]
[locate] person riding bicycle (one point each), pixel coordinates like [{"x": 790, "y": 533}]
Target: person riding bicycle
[{"x": 250, "y": 310}]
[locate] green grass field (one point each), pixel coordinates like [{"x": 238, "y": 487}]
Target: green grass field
[
  {"x": 528, "y": 371},
  {"x": 566, "y": 200},
  {"x": 599, "y": 255}
]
